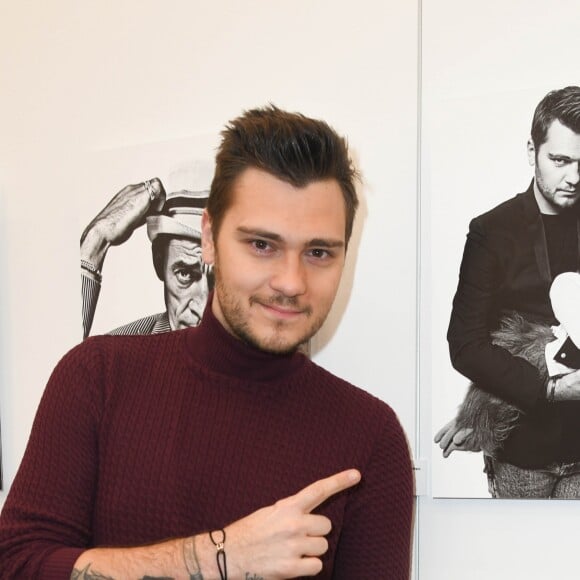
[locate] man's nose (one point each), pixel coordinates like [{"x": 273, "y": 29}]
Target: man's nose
[
  {"x": 573, "y": 173},
  {"x": 289, "y": 277}
]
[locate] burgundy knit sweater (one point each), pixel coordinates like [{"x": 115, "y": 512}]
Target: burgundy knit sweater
[{"x": 143, "y": 438}]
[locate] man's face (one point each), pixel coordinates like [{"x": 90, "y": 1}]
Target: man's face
[
  {"x": 278, "y": 258},
  {"x": 557, "y": 167},
  {"x": 185, "y": 283}
]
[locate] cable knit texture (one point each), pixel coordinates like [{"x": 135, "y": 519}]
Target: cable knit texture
[{"x": 142, "y": 438}]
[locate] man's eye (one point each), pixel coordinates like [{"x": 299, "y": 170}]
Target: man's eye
[
  {"x": 187, "y": 276},
  {"x": 261, "y": 245},
  {"x": 319, "y": 253},
  {"x": 559, "y": 162}
]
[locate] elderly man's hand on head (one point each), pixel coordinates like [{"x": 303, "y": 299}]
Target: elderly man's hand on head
[{"x": 115, "y": 223}]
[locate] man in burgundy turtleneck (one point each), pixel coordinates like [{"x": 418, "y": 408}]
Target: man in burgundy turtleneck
[{"x": 154, "y": 456}]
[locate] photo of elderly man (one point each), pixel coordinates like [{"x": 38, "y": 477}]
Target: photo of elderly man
[{"x": 173, "y": 222}]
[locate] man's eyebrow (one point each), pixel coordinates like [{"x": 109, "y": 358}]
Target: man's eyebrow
[
  {"x": 260, "y": 233},
  {"x": 322, "y": 243},
  {"x": 315, "y": 242},
  {"x": 195, "y": 262},
  {"x": 562, "y": 156}
]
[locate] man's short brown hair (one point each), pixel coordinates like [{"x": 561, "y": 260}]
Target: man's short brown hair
[{"x": 289, "y": 146}]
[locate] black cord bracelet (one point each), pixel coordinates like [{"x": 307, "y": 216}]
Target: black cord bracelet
[{"x": 220, "y": 554}]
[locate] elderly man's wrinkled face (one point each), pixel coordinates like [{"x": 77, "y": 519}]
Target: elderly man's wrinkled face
[{"x": 186, "y": 283}]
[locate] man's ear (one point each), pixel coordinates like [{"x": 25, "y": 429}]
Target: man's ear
[
  {"x": 531, "y": 152},
  {"x": 207, "y": 242}
]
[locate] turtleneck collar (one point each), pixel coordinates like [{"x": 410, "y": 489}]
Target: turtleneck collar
[{"x": 213, "y": 347}]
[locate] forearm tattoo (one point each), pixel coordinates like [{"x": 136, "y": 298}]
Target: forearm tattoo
[
  {"x": 250, "y": 576},
  {"x": 88, "y": 574},
  {"x": 190, "y": 558}
]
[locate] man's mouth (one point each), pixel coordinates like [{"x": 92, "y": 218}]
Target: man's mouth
[
  {"x": 281, "y": 308},
  {"x": 282, "y": 311}
]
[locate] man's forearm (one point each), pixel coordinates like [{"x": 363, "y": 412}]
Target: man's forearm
[
  {"x": 283, "y": 540},
  {"x": 94, "y": 247},
  {"x": 191, "y": 558},
  {"x": 473, "y": 351}
]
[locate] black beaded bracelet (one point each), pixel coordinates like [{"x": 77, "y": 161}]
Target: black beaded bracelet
[
  {"x": 220, "y": 554},
  {"x": 89, "y": 267}
]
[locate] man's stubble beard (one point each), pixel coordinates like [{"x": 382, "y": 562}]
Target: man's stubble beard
[
  {"x": 233, "y": 313},
  {"x": 550, "y": 194}
]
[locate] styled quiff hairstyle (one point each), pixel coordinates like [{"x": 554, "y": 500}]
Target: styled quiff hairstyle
[
  {"x": 562, "y": 105},
  {"x": 289, "y": 146}
]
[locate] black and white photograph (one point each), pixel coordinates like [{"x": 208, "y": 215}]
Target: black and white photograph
[
  {"x": 514, "y": 319},
  {"x": 513, "y": 330},
  {"x": 140, "y": 253}
]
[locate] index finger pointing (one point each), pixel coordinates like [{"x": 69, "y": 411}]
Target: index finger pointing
[{"x": 318, "y": 492}]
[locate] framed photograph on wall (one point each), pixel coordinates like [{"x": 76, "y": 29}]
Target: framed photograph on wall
[
  {"x": 141, "y": 268},
  {"x": 504, "y": 225}
]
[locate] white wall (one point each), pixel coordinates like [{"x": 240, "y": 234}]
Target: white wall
[
  {"x": 91, "y": 90},
  {"x": 485, "y": 67}
]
